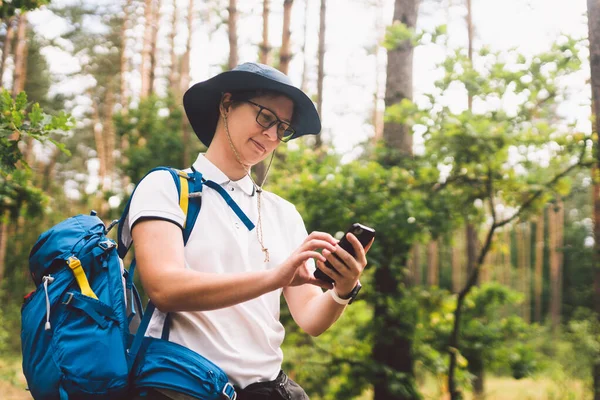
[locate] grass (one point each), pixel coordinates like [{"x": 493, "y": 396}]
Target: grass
[
  {"x": 506, "y": 388},
  {"x": 13, "y": 384}
]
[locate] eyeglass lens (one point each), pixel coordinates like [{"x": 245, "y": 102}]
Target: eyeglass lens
[{"x": 267, "y": 119}]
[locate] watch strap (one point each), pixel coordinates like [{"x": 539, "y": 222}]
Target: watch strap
[{"x": 338, "y": 299}]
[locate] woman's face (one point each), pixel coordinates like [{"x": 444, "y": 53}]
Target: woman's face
[{"x": 252, "y": 140}]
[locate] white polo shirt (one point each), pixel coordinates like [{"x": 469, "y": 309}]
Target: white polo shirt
[{"x": 244, "y": 339}]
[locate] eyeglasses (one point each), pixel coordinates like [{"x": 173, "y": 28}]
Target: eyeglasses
[{"x": 267, "y": 118}]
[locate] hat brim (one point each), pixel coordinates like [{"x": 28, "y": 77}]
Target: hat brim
[{"x": 201, "y": 102}]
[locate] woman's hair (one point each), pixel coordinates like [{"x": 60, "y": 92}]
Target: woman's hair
[{"x": 241, "y": 96}]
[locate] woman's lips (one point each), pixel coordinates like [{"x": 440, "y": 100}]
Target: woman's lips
[{"x": 258, "y": 145}]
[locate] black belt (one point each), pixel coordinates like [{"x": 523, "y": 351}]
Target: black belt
[{"x": 269, "y": 390}]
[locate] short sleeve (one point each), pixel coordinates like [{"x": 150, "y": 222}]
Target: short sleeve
[{"x": 155, "y": 197}]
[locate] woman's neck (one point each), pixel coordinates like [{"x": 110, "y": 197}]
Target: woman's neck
[{"x": 224, "y": 159}]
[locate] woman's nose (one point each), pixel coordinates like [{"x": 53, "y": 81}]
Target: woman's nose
[{"x": 271, "y": 132}]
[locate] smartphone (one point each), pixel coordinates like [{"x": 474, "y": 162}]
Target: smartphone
[{"x": 363, "y": 233}]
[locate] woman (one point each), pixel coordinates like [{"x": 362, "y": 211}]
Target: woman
[{"x": 223, "y": 288}]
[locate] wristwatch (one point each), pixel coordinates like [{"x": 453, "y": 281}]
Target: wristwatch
[{"x": 346, "y": 299}]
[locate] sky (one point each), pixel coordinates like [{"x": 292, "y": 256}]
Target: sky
[{"x": 353, "y": 29}]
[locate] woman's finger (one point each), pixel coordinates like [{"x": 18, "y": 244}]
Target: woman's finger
[
  {"x": 314, "y": 244},
  {"x": 358, "y": 249},
  {"x": 321, "y": 236},
  {"x": 369, "y": 245},
  {"x": 330, "y": 272},
  {"x": 301, "y": 257},
  {"x": 338, "y": 264}
]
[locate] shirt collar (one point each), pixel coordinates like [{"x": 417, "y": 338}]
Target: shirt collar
[{"x": 212, "y": 173}]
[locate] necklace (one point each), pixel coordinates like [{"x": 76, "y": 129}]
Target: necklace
[{"x": 257, "y": 188}]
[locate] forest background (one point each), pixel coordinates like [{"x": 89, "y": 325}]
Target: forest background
[{"x": 468, "y": 143}]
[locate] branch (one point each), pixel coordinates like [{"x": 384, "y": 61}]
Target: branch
[{"x": 541, "y": 191}]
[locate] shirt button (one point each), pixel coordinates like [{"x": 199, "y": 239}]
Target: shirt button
[
  {"x": 232, "y": 189},
  {"x": 237, "y": 225}
]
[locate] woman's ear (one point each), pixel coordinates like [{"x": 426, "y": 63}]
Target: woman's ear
[{"x": 225, "y": 104}]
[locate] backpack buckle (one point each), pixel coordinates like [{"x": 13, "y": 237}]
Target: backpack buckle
[
  {"x": 229, "y": 391},
  {"x": 106, "y": 245},
  {"x": 66, "y": 302}
]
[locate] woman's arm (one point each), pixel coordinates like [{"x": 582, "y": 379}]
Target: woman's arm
[
  {"x": 159, "y": 254},
  {"x": 314, "y": 310}
]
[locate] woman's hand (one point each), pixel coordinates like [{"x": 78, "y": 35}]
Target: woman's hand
[
  {"x": 295, "y": 270},
  {"x": 347, "y": 269}
]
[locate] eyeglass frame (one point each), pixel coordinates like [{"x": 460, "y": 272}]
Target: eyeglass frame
[{"x": 277, "y": 121}]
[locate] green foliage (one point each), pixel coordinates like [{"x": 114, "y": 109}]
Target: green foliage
[
  {"x": 19, "y": 120},
  {"x": 153, "y": 131},
  {"x": 9, "y": 8},
  {"x": 398, "y": 35},
  {"x": 489, "y": 332}
]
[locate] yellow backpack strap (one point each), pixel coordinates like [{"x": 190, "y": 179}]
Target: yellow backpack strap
[
  {"x": 184, "y": 193},
  {"x": 80, "y": 277}
]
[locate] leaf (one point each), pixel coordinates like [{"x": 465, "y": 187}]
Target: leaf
[{"x": 36, "y": 115}]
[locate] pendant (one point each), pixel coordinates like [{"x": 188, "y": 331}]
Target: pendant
[{"x": 266, "y": 251}]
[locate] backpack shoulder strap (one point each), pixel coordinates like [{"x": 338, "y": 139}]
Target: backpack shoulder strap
[
  {"x": 190, "y": 199},
  {"x": 122, "y": 249}
]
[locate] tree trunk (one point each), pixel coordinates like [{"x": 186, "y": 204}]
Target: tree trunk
[
  {"x": 20, "y": 56},
  {"x": 471, "y": 247},
  {"x": 99, "y": 141},
  {"x": 233, "y": 40},
  {"x": 6, "y": 47},
  {"x": 3, "y": 242},
  {"x": 456, "y": 264},
  {"x": 555, "y": 238},
  {"x": 285, "y": 54},
  {"x": 539, "y": 267},
  {"x": 416, "y": 264},
  {"x": 185, "y": 80},
  {"x": 476, "y": 367},
  {"x": 19, "y": 77},
  {"x": 377, "y": 113},
  {"x": 594, "y": 39},
  {"x": 123, "y": 93},
  {"x": 153, "y": 45},
  {"x": 399, "y": 83},
  {"x": 527, "y": 277},
  {"x": 470, "y": 45},
  {"x": 49, "y": 175},
  {"x": 321, "y": 64},
  {"x": 507, "y": 267},
  {"x": 392, "y": 351},
  {"x": 265, "y": 49},
  {"x": 524, "y": 264},
  {"x": 433, "y": 263},
  {"x": 173, "y": 75},
  {"x": 110, "y": 138},
  {"x": 304, "y": 81},
  {"x": 147, "y": 48}
]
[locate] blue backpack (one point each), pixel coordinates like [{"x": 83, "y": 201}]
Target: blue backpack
[{"x": 82, "y": 330}]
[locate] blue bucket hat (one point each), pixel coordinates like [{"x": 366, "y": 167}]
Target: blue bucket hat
[{"x": 201, "y": 101}]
